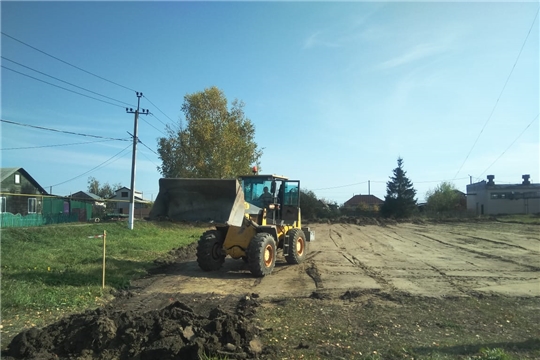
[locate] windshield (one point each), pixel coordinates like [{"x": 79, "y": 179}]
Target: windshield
[{"x": 254, "y": 188}]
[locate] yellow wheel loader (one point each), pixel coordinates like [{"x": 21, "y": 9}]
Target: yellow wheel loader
[{"x": 254, "y": 216}]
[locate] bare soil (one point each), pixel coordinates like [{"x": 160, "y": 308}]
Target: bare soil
[{"x": 179, "y": 311}]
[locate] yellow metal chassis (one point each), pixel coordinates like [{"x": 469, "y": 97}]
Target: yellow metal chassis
[{"x": 238, "y": 238}]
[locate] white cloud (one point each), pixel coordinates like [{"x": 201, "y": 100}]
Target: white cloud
[
  {"x": 418, "y": 52},
  {"x": 316, "y": 39}
]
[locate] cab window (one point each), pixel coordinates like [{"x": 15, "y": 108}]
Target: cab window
[
  {"x": 290, "y": 195},
  {"x": 253, "y": 189}
]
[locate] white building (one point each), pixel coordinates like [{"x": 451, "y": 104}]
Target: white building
[
  {"x": 487, "y": 198},
  {"x": 123, "y": 194}
]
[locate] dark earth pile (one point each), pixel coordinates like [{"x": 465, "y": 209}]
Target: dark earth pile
[{"x": 174, "y": 332}]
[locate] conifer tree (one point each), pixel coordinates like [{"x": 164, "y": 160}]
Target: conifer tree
[{"x": 399, "y": 201}]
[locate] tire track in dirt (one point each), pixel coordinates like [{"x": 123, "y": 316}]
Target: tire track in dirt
[
  {"x": 503, "y": 243},
  {"x": 374, "y": 274},
  {"x": 437, "y": 270},
  {"x": 491, "y": 256},
  {"x": 369, "y": 271},
  {"x": 312, "y": 270}
]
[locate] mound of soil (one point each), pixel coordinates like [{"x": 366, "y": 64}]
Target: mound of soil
[
  {"x": 174, "y": 332},
  {"x": 180, "y": 254}
]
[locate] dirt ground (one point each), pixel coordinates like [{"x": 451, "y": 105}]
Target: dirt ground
[
  {"x": 422, "y": 260},
  {"x": 179, "y": 311}
]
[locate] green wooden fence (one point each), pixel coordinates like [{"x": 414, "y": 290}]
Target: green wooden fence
[{"x": 53, "y": 211}]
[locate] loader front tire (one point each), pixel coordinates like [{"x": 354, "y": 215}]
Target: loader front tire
[
  {"x": 297, "y": 246},
  {"x": 262, "y": 254},
  {"x": 209, "y": 254}
]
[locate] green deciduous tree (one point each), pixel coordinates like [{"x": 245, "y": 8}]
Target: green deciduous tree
[
  {"x": 445, "y": 197},
  {"x": 309, "y": 204},
  {"x": 216, "y": 142},
  {"x": 399, "y": 201},
  {"x": 104, "y": 191}
]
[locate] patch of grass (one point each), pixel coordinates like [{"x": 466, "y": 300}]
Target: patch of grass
[
  {"x": 533, "y": 219},
  {"x": 497, "y": 328},
  {"x": 492, "y": 354},
  {"x": 53, "y": 270}
]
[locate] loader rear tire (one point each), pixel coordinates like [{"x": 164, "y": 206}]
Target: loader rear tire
[
  {"x": 297, "y": 246},
  {"x": 262, "y": 254},
  {"x": 209, "y": 254}
]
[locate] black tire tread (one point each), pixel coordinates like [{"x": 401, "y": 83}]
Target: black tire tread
[
  {"x": 293, "y": 257},
  {"x": 256, "y": 254},
  {"x": 205, "y": 246}
]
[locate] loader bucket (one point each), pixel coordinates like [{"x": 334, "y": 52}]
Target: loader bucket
[{"x": 204, "y": 200}]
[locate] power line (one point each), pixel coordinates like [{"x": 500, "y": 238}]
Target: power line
[
  {"x": 66, "y": 82},
  {"x": 500, "y": 94},
  {"x": 56, "y": 145},
  {"x": 516, "y": 139},
  {"x": 340, "y": 186},
  {"x": 65, "y": 62},
  {"x": 143, "y": 154},
  {"x": 376, "y": 181},
  {"x": 158, "y": 119},
  {"x": 61, "y": 87},
  {"x": 94, "y": 168},
  {"x": 61, "y": 131},
  {"x": 153, "y": 126},
  {"x": 438, "y": 181},
  {"x": 159, "y": 111},
  {"x": 143, "y": 144}
]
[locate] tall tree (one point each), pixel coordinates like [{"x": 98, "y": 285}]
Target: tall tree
[
  {"x": 104, "y": 190},
  {"x": 399, "y": 201},
  {"x": 216, "y": 142},
  {"x": 445, "y": 197}
]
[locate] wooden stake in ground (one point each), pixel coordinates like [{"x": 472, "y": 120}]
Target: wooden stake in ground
[{"x": 104, "y": 244}]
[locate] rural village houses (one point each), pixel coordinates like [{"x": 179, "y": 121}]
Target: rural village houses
[{"x": 24, "y": 202}]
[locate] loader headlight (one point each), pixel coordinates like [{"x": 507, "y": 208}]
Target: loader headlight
[{"x": 272, "y": 206}]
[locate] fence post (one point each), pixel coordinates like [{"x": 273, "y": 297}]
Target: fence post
[{"x": 104, "y": 244}]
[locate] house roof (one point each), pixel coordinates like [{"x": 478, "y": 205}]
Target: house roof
[
  {"x": 7, "y": 172},
  {"x": 366, "y": 199},
  {"x": 83, "y": 194}
]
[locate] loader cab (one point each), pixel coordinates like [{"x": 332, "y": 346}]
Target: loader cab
[{"x": 281, "y": 205}]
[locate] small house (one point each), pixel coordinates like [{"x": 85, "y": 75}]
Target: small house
[
  {"x": 122, "y": 197},
  {"x": 20, "y": 192},
  {"x": 363, "y": 201}
]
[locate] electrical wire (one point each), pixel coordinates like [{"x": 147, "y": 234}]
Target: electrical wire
[
  {"x": 67, "y": 63},
  {"x": 500, "y": 94},
  {"x": 94, "y": 168},
  {"x": 378, "y": 182},
  {"x": 56, "y": 145},
  {"x": 143, "y": 119},
  {"x": 143, "y": 144},
  {"x": 158, "y": 119},
  {"x": 61, "y": 131},
  {"x": 340, "y": 186},
  {"x": 438, "y": 181},
  {"x": 61, "y": 87},
  {"x": 66, "y": 82},
  {"x": 509, "y": 146},
  {"x": 147, "y": 158},
  {"x": 159, "y": 111}
]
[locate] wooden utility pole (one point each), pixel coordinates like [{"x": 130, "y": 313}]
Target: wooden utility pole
[{"x": 133, "y": 158}]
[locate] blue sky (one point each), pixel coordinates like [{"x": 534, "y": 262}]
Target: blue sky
[{"x": 337, "y": 91}]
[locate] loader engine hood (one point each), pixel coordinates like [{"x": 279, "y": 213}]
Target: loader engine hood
[{"x": 204, "y": 200}]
